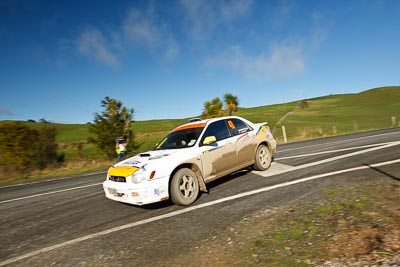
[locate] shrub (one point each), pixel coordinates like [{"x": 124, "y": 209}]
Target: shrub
[{"x": 27, "y": 149}]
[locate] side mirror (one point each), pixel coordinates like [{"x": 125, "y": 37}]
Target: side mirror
[{"x": 209, "y": 140}]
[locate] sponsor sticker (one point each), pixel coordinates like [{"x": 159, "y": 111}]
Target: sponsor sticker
[
  {"x": 230, "y": 123},
  {"x": 157, "y": 192}
]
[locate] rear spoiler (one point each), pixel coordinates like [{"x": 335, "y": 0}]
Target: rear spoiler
[{"x": 260, "y": 125}]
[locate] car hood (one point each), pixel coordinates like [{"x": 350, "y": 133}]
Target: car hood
[{"x": 131, "y": 165}]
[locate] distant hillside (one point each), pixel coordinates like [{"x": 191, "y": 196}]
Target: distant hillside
[
  {"x": 382, "y": 96},
  {"x": 341, "y": 114},
  {"x": 324, "y": 116}
]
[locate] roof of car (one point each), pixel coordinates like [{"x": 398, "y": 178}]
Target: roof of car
[{"x": 202, "y": 122}]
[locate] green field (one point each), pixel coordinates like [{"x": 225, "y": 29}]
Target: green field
[
  {"x": 324, "y": 116},
  {"x": 332, "y": 115}
]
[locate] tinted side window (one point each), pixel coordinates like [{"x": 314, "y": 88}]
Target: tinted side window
[
  {"x": 238, "y": 127},
  {"x": 217, "y": 129}
]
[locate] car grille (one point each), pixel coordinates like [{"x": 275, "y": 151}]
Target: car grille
[{"x": 119, "y": 179}]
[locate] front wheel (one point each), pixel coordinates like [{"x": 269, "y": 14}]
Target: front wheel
[
  {"x": 184, "y": 187},
  {"x": 263, "y": 158}
]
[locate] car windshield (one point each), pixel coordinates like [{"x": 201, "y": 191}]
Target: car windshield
[{"x": 180, "y": 139}]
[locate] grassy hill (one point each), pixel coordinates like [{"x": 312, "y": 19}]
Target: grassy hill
[
  {"x": 341, "y": 114},
  {"x": 324, "y": 116}
]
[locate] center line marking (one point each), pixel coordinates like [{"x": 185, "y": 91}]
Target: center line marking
[{"x": 185, "y": 210}]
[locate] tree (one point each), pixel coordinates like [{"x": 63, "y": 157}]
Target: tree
[
  {"x": 213, "y": 108},
  {"x": 303, "y": 104},
  {"x": 231, "y": 103},
  {"x": 112, "y": 123},
  {"x": 48, "y": 146},
  {"x": 26, "y": 148}
]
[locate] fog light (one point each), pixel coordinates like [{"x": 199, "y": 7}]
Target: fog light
[{"x": 134, "y": 194}]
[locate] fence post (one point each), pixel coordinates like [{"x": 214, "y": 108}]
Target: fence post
[
  {"x": 394, "y": 124},
  {"x": 284, "y": 134}
]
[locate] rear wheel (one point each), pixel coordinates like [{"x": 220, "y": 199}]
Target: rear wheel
[
  {"x": 184, "y": 187},
  {"x": 263, "y": 158}
]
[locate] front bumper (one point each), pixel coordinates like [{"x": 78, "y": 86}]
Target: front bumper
[{"x": 143, "y": 193}]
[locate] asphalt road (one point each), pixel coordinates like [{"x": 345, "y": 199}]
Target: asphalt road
[{"x": 69, "y": 222}]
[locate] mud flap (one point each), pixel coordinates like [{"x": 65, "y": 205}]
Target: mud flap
[{"x": 202, "y": 184}]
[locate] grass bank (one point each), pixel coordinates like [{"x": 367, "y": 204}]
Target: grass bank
[{"x": 342, "y": 226}]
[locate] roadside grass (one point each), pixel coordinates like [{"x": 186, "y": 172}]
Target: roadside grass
[
  {"x": 343, "y": 225},
  {"x": 68, "y": 169},
  {"x": 351, "y": 224}
]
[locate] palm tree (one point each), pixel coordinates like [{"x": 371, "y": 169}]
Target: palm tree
[
  {"x": 231, "y": 103},
  {"x": 111, "y": 105},
  {"x": 213, "y": 108}
]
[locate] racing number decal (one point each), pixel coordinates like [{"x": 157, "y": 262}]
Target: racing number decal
[{"x": 230, "y": 123}]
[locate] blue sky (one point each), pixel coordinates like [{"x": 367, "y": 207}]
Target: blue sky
[{"x": 59, "y": 59}]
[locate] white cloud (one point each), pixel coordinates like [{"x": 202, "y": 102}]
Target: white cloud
[
  {"x": 205, "y": 15},
  {"x": 141, "y": 28},
  {"x": 280, "y": 62},
  {"x": 172, "y": 49},
  {"x": 5, "y": 111},
  {"x": 280, "y": 59},
  {"x": 234, "y": 9},
  {"x": 282, "y": 12},
  {"x": 93, "y": 44},
  {"x": 319, "y": 31},
  {"x": 200, "y": 17}
]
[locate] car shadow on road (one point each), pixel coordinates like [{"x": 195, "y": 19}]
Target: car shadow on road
[
  {"x": 152, "y": 206},
  {"x": 383, "y": 172}
]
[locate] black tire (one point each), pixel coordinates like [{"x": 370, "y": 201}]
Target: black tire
[
  {"x": 184, "y": 187},
  {"x": 263, "y": 158}
]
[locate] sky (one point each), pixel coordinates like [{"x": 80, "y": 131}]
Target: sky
[{"x": 60, "y": 59}]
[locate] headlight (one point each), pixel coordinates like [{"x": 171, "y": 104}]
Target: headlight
[{"x": 138, "y": 176}]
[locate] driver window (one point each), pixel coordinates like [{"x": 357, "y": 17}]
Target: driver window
[{"x": 217, "y": 129}]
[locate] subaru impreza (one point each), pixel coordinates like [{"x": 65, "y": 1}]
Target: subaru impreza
[{"x": 188, "y": 158}]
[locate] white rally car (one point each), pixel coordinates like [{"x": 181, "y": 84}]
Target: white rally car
[{"x": 188, "y": 158}]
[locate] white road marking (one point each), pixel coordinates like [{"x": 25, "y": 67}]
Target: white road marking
[
  {"x": 331, "y": 151},
  {"x": 266, "y": 173},
  {"x": 276, "y": 168},
  {"x": 188, "y": 209},
  {"x": 340, "y": 141},
  {"x": 50, "y": 193}
]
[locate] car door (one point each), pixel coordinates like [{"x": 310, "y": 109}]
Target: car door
[
  {"x": 217, "y": 150},
  {"x": 245, "y": 147}
]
